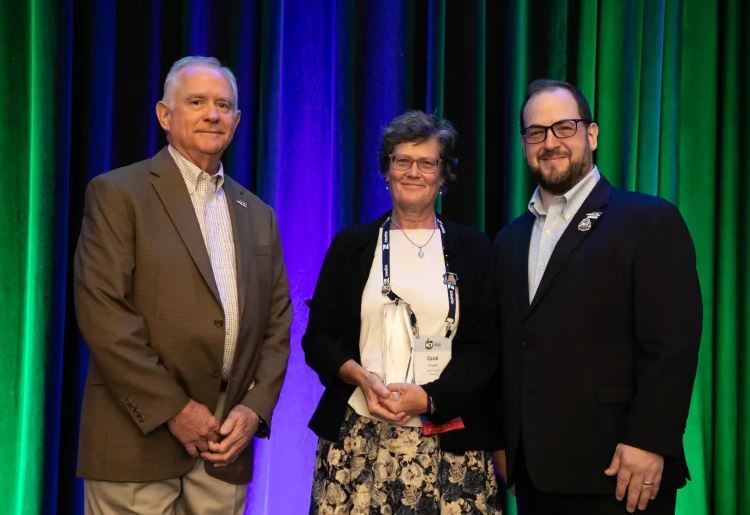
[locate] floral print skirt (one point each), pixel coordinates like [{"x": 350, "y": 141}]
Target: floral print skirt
[{"x": 381, "y": 468}]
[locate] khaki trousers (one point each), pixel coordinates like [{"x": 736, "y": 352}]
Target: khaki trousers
[{"x": 195, "y": 493}]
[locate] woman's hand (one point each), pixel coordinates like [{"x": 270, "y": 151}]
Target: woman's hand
[
  {"x": 379, "y": 398},
  {"x": 375, "y": 391},
  {"x": 410, "y": 399}
]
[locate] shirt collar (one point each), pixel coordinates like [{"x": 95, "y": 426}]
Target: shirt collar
[
  {"x": 573, "y": 198},
  {"x": 191, "y": 172}
]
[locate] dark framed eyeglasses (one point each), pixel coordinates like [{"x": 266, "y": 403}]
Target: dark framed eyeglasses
[
  {"x": 561, "y": 129},
  {"x": 402, "y": 163}
]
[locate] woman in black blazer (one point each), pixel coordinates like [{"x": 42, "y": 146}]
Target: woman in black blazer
[{"x": 404, "y": 427}]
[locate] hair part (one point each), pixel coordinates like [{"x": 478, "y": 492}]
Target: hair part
[
  {"x": 539, "y": 85},
  {"x": 196, "y": 60},
  {"x": 418, "y": 127}
]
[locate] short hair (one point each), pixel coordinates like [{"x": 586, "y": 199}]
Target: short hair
[
  {"x": 196, "y": 60},
  {"x": 417, "y": 127},
  {"x": 539, "y": 85}
]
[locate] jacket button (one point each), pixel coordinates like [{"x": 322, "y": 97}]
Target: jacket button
[
  {"x": 524, "y": 344},
  {"x": 219, "y": 323}
]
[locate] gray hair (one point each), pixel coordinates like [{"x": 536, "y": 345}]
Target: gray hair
[
  {"x": 196, "y": 60},
  {"x": 417, "y": 127}
]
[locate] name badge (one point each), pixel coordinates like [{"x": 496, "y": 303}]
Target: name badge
[{"x": 431, "y": 356}]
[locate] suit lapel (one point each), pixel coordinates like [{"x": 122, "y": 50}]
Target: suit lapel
[
  {"x": 596, "y": 201},
  {"x": 239, "y": 213},
  {"x": 170, "y": 187},
  {"x": 521, "y": 261}
]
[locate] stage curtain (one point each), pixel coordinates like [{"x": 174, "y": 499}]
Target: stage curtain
[{"x": 317, "y": 82}]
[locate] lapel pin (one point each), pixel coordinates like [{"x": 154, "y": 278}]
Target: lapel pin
[
  {"x": 242, "y": 203},
  {"x": 586, "y": 224}
]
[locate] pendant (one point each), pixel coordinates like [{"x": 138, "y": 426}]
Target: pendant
[{"x": 420, "y": 253}]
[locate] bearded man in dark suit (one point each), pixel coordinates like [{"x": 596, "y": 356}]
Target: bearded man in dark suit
[{"x": 600, "y": 314}]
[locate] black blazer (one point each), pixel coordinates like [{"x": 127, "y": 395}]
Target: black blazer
[
  {"x": 607, "y": 351},
  {"x": 332, "y": 335}
]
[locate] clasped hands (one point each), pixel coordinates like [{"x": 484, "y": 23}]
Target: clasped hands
[
  {"x": 196, "y": 428},
  {"x": 396, "y": 402}
]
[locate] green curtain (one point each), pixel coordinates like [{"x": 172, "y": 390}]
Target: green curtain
[{"x": 28, "y": 200}]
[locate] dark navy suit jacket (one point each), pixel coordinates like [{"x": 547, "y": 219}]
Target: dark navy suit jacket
[{"x": 607, "y": 350}]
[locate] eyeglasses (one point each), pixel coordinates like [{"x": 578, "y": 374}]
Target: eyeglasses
[
  {"x": 562, "y": 129},
  {"x": 402, "y": 163}
]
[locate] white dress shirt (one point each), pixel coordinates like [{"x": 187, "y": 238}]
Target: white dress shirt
[
  {"x": 550, "y": 224},
  {"x": 211, "y": 209}
]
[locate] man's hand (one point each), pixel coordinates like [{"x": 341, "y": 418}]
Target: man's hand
[
  {"x": 194, "y": 426},
  {"x": 236, "y": 431},
  {"x": 410, "y": 399},
  {"x": 638, "y": 472}
]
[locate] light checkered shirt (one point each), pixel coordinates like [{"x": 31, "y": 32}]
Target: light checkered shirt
[
  {"x": 210, "y": 204},
  {"x": 550, "y": 225}
]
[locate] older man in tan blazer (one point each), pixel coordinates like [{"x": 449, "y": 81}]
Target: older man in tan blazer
[{"x": 181, "y": 294}]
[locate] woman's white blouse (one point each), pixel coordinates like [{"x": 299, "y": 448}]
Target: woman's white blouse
[{"x": 419, "y": 281}]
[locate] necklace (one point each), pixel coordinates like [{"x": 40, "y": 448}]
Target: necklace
[{"x": 421, "y": 247}]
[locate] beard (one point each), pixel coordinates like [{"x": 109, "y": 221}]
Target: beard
[{"x": 564, "y": 181}]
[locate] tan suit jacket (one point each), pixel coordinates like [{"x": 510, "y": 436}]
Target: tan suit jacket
[{"x": 149, "y": 309}]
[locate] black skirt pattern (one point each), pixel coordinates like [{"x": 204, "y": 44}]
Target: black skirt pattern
[{"x": 385, "y": 469}]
